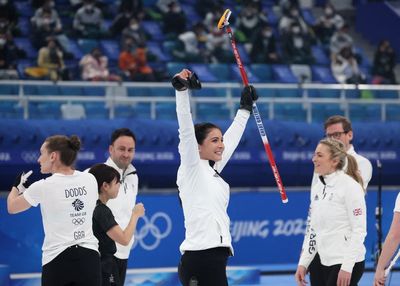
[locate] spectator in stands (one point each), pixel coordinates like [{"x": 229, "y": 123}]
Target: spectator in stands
[
  {"x": 70, "y": 250},
  {"x": 217, "y": 43},
  {"x": 208, "y": 6},
  {"x": 345, "y": 67},
  {"x": 340, "y": 39},
  {"x": 50, "y": 57},
  {"x": 338, "y": 127},
  {"x": 263, "y": 48},
  {"x": 122, "y": 152},
  {"x": 248, "y": 22},
  {"x": 204, "y": 195},
  {"x": 88, "y": 21},
  {"x": 121, "y": 21},
  {"x": 164, "y": 5},
  {"x": 46, "y": 23},
  {"x": 296, "y": 46},
  {"x": 9, "y": 54},
  {"x": 327, "y": 24},
  {"x": 105, "y": 227},
  {"x": 338, "y": 219},
  {"x": 9, "y": 15},
  {"x": 174, "y": 21},
  {"x": 133, "y": 62},
  {"x": 95, "y": 67},
  {"x": 290, "y": 17},
  {"x": 384, "y": 64},
  {"x": 134, "y": 31},
  {"x": 135, "y": 7}
]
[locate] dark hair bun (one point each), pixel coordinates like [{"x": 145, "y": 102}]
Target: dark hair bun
[{"x": 75, "y": 143}]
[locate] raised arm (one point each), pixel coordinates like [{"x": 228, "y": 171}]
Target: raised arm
[
  {"x": 16, "y": 202},
  {"x": 235, "y": 131},
  {"x": 188, "y": 147}
]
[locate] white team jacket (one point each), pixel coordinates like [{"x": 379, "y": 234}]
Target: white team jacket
[
  {"x": 204, "y": 194},
  {"x": 337, "y": 222}
]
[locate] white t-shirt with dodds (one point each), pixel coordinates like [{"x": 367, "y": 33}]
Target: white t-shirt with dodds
[{"x": 66, "y": 203}]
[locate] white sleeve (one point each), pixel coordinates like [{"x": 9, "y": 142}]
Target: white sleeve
[
  {"x": 365, "y": 169},
  {"x": 397, "y": 204},
  {"x": 232, "y": 137},
  {"x": 309, "y": 248},
  {"x": 357, "y": 214},
  {"x": 188, "y": 147},
  {"x": 33, "y": 195}
]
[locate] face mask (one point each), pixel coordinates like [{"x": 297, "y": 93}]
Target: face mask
[
  {"x": 176, "y": 9},
  {"x": 294, "y": 13},
  {"x": 3, "y": 2},
  {"x": 328, "y": 11},
  {"x": 134, "y": 27},
  {"x": 2, "y": 42},
  {"x": 267, "y": 34},
  {"x": 296, "y": 30}
]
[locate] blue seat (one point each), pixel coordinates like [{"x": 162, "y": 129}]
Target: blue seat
[
  {"x": 22, "y": 65},
  {"x": 71, "y": 90},
  {"x": 322, "y": 74},
  {"x": 9, "y": 89},
  {"x": 47, "y": 90},
  {"x": 74, "y": 49},
  {"x": 96, "y": 110},
  {"x": 26, "y": 45},
  {"x": 49, "y": 110},
  {"x": 153, "y": 29},
  {"x": 24, "y": 26},
  {"x": 365, "y": 112},
  {"x": 235, "y": 71},
  {"x": 140, "y": 91},
  {"x": 393, "y": 112},
  {"x": 191, "y": 14},
  {"x": 94, "y": 90},
  {"x": 30, "y": 90},
  {"x": 320, "y": 56},
  {"x": 220, "y": 71},
  {"x": 290, "y": 112},
  {"x": 308, "y": 17},
  {"x": 321, "y": 111},
  {"x": 212, "y": 111},
  {"x": 203, "y": 72},
  {"x": 262, "y": 71},
  {"x": 110, "y": 49},
  {"x": 163, "y": 91},
  {"x": 156, "y": 50},
  {"x": 386, "y": 94},
  {"x": 165, "y": 110},
  {"x": 11, "y": 110},
  {"x": 87, "y": 45},
  {"x": 24, "y": 8},
  {"x": 174, "y": 67},
  {"x": 209, "y": 92},
  {"x": 283, "y": 74}
]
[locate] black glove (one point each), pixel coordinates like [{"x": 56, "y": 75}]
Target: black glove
[
  {"x": 249, "y": 95},
  {"x": 181, "y": 84},
  {"x": 21, "y": 181}
]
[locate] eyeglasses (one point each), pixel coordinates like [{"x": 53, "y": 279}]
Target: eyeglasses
[{"x": 336, "y": 135}]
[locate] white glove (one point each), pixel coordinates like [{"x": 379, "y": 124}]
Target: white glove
[{"x": 21, "y": 180}]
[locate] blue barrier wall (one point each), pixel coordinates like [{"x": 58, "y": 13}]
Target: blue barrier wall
[
  {"x": 157, "y": 157},
  {"x": 264, "y": 230}
]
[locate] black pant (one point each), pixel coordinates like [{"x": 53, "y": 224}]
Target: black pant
[
  {"x": 204, "y": 267},
  {"x": 321, "y": 275},
  {"x": 122, "y": 266},
  {"x": 315, "y": 270},
  {"x": 110, "y": 272},
  {"x": 76, "y": 266}
]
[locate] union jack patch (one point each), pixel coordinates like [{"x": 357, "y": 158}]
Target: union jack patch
[{"x": 357, "y": 212}]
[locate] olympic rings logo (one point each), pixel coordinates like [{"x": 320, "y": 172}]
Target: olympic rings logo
[
  {"x": 149, "y": 236},
  {"x": 29, "y": 156},
  {"x": 78, "y": 221}
]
